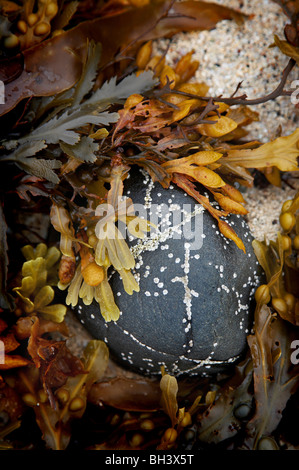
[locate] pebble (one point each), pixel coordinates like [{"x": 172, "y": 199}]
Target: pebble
[{"x": 194, "y": 309}]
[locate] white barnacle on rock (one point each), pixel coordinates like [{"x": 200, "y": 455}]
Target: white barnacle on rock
[
  {"x": 188, "y": 293},
  {"x": 225, "y": 288}
]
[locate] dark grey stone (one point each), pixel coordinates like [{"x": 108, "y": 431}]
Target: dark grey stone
[{"x": 194, "y": 309}]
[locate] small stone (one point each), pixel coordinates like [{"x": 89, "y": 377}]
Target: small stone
[{"x": 194, "y": 309}]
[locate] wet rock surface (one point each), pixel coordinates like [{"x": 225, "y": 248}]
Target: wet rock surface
[{"x": 194, "y": 309}]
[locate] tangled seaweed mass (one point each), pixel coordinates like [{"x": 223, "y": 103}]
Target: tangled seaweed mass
[{"x": 87, "y": 101}]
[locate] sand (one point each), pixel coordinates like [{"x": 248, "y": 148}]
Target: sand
[{"x": 232, "y": 53}]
